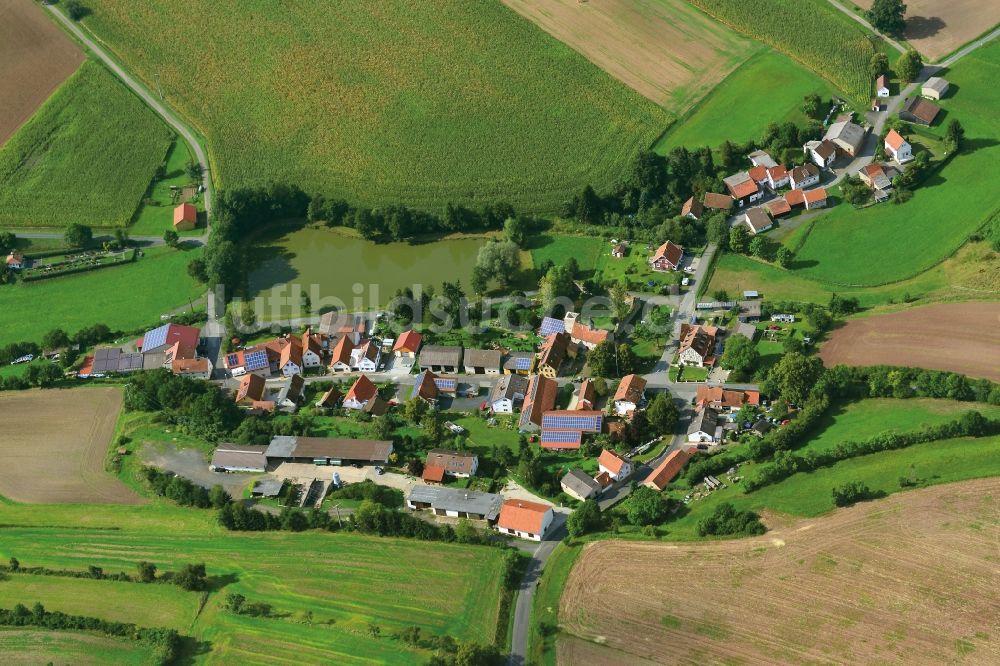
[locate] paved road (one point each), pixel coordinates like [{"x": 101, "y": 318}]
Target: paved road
[
  {"x": 526, "y": 595},
  {"x": 893, "y": 43},
  {"x": 966, "y": 50},
  {"x": 144, "y": 240}
]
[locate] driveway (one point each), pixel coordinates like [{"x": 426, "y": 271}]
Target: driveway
[{"x": 193, "y": 466}]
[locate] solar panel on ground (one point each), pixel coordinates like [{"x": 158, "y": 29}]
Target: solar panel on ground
[
  {"x": 255, "y": 360},
  {"x": 522, "y": 363},
  {"x": 155, "y": 338},
  {"x": 550, "y": 326},
  {"x": 566, "y": 422}
]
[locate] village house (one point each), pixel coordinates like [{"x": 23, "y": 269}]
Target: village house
[
  {"x": 539, "y": 398},
  {"x": 815, "y": 198},
  {"x": 441, "y": 359},
  {"x": 778, "y": 207},
  {"x": 330, "y": 399},
  {"x": 335, "y": 324},
  {"x": 15, "y": 260},
  {"x": 366, "y": 357},
  {"x": 795, "y": 198},
  {"x": 629, "y": 394},
  {"x": 667, "y": 257},
  {"x": 455, "y": 502},
  {"x": 874, "y": 176},
  {"x": 579, "y": 485},
  {"x": 290, "y": 396},
  {"x": 362, "y": 392},
  {"x": 934, "y": 88},
  {"x": 821, "y": 153},
  {"x": 897, "y": 147},
  {"x": 185, "y": 217},
  {"x": 482, "y": 361},
  {"x": 524, "y": 519},
  {"x": 847, "y": 137},
  {"x": 585, "y": 396},
  {"x": 312, "y": 350},
  {"x": 425, "y": 387},
  {"x": 697, "y": 347},
  {"x": 882, "y": 86},
  {"x": 777, "y": 177},
  {"x": 562, "y": 430},
  {"x": 723, "y": 399},
  {"x": 507, "y": 393},
  {"x": 667, "y": 470},
  {"x": 619, "y": 251},
  {"x": 407, "y": 344},
  {"x": 920, "y": 111},
  {"x": 457, "y": 464},
  {"x": 251, "y": 388},
  {"x": 692, "y": 209},
  {"x": 743, "y": 188},
  {"x": 290, "y": 362},
  {"x": 340, "y": 358},
  {"x": 555, "y": 349},
  {"x": 519, "y": 363},
  {"x": 584, "y": 335},
  {"x": 759, "y": 175},
  {"x": 614, "y": 465},
  {"x": 804, "y": 176},
  {"x": 195, "y": 368},
  {"x": 327, "y": 451},
  {"x": 239, "y": 458},
  {"x": 757, "y": 220},
  {"x": 703, "y": 426},
  {"x": 761, "y": 158}
]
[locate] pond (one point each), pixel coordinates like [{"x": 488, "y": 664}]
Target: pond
[{"x": 336, "y": 269}]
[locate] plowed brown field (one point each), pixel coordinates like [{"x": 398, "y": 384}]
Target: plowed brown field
[
  {"x": 938, "y": 27},
  {"x": 35, "y": 57},
  {"x": 663, "y": 49},
  {"x": 54, "y": 444},
  {"x": 961, "y": 337},
  {"x": 912, "y": 579}
]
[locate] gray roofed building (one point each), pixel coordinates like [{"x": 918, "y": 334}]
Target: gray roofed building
[
  {"x": 509, "y": 387},
  {"x": 479, "y": 361},
  {"x": 703, "y": 425},
  {"x": 935, "y": 88},
  {"x": 440, "y": 358},
  {"x": 267, "y": 487},
  {"x": 761, "y": 427},
  {"x": 281, "y": 447},
  {"x": 847, "y": 136},
  {"x": 326, "y": 450},
  {"x": 760, "y": 158},
  {"x": 749, "y": 311},
  {"x": 580, "y": 485},
  {"x": 455, "y": 502},
  {"x": 239, "y": 458},
  {"x": 746, "y": 330},
  {"x": 113, "y": 360},
  {"x": 757, "y": 219},
  {"x": 291, "y": 393},
  {"x": 519, "y": 361},
  {"x": 456, "y": 463}
]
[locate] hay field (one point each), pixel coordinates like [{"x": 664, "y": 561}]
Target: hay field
[
  {"x": 665, "y": 50},
  {"x": 910, "y": 579},
  {"x": 35, "y": 57},
  {"x": 961, "y": 337},
  {"x": 385, "y": 102},
  {"x": 938, "y": 27},
  {"x": 55, "y": 444},
  {"x": 30, "y": 647}
]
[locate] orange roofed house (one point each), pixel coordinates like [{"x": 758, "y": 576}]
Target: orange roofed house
[
  {"x": 629, "y": 395},
  {"x": 361, "y": 393},
  {"x": 524, "y": 519},
  {"x": 697, "y": 346},
  {"x": 185, "y": 217},
  {"x": 667, "y": 257},
  {"x": 615, "y": 466},
  {"x": 667, "y": 470},
  {"x": 720, "y": 398}
]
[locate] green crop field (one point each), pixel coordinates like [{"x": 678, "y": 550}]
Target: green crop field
[
  {"x": 812, "y": 32},
  {"x": 86, "y": 156},
  {"x": 31, "y": 646},
  {"x": 122, "y": 297},
  {"x": 886, "y": 243},
  {"x": 390, "y": 102},
  {"x": 766, "y": 89},
  {"x": 347, "y": 581}
]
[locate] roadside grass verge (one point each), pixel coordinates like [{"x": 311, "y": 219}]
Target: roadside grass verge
[{"x": 545, "y": 606}]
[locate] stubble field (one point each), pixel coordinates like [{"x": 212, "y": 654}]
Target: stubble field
[
  {"x": 664, "y": 49},
  {"x": 54, "y": 447},
  {"x": 961, "y": 337},
  {"x": 35, "y": 57},
  {"x": 909, "y": 579},
  {"x": 938, "y": 27}
]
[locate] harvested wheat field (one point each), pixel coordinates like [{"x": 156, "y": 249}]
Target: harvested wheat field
[
  {"x": 54, "y": 447},
  {"x": 912, "y": 579},
  {"x": 665, "y": 50},
  {"x": 938, "y": 27},
  {"x": 960, "y": 337},
  {"x": 35, "y": 57}
]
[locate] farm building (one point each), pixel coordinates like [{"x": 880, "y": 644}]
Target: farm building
[
  {"x": 239, "y": 458},
  {"x": 717, "y": 201},
  {"x": 846, "y": 136},
  {"x": 162, "y": 338},
  {"x": 667, "y": 257},
  {"x": 760, "y": 158},
  {"x": 667, "y": 470},
  {"x": 778, "y": 207},
  {"x": 614, "y": 465},
  {"x": 619, "y": 251},
  {"x": 327, "y": 451},
  {"x": 555, "y": 349},
  {"x": 267, "y": 487},
  {"x": 507, "y": 393},
  {"x": 539, "y": 398},
  {"x": 482, "y": 361},
  {"x": 795, "y": 198},
  {"x": 439, "y": 358},
  {"x": 185, "y": 217},
  {"x": 882, "y": 86},
  {"x": 455, "y": 502},
  {"x": 407, "y": 344},
  {"x": 114, "y": 361},
  {"x": 195, "y": 368},
  {"x": 524, "y": 519},
  {"x": 749, "y": 311},
  {"x": 742, "y": 188},
  {"x": 757, "y": 220},
  {"x": 897, "y": 147},
  {"x": 454, "y": 463},
  {"x": 336, "y": 324},
  {"x": 748, "y": 331},
  {"x": 935, "y": 88},
  {"x": 629, "y": 394},
  {"x": 519, "y": 363},
  {"x": 920, "y": 111},
  {"x": 579, "y": 485},
  {"x": 703, "y": 425}
]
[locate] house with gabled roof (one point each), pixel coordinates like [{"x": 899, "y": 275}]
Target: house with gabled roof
[
  {"x": 720, "y": 398},
  {"x": 778, "y": 207},
  {"x": 848, "y": 137},
  {"x": 524, "y": 519},
  {"x": 743, "y": 188},
  {"x": 330, "y": 398},
  {"x": 667, "y": 257},
  {"x": 185, "y": 217},
  {"x": 667, "y": 470},
  {"x": 365, "y": 358},
  {"x": 897, "y": 147},
  {"x": 882, "y": 86},
  {"x": 519, "y": 363},
  {"x": 697, "y": 347},
  {"x": 290, "y": 362},
  {"x": 507, "y": 393},
  {"x": 539, "y": 398},
  {"x": 362, "y": 392},
  {"x": 482, "y": 361},
  {"x": 312, "y": 350},
  {"x": 803, "y": 176},
  {"x": 290, "y": 395},
  {"x": 340, "y": 357},
  {"x": 777, "y": 176},
  {"x": 919, "y": 110},
  {"x": 815, "y": 198},
  {"x": 692, "y": 209},
  {"x": 821, "y": 153},
  {"x": 616, "y": 467},
  {"x": 195, "y": 368},
  {"x": 585, "y": 396},
  {"x": 407, "y": 344},
  {"x": 555, "y": 349},
  {"x": 703, "y": 426},
  {"x": 251, "y": 388},
  {"x": 716, "y": 201},
  {"x": 425, "y": 387},
  {"x": 162, "y": 338},
  {"x": 757, "y": 220},
  {"x": 458, "y": 464},
  {"x": 934, "y": 88},
  {"x": 441, "y": 358},
  {"x": 579, "y": 485},
  {"x": 629, "y": 395},
  {"x": 586, "y": 336}
]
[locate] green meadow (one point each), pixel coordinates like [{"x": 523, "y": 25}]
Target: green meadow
[{"x": 31, "y": 646}]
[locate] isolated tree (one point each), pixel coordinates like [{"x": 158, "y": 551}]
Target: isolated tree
[
  {"x": 812, "y": 105},
  {"x": 500, "y": 260},
  {"x": 794, "y": 376},
  {"x": 739, "y": 239},
  {"x": 909, "y": 65},
  {"x": 193, "y": 170},
  {"x": 171, "y": 238},
  {"x": 759, "y": 247},
  {"x": 8, "y": 241},
  {"x": 191, "y": 578},
  {"x": 75, "y": 9},
  {"x": 854, "y": 191},
  {"x": 662, "y": 414},
  {"x": 954, "y": 135},
  {"x": 878, "y": 65},
  {"x": 740, "y": 355},
  {"x": 887, "y": 16},
  {"x": 146, "y": 571},
  {"x": 646, "y": 507},
  {"x": 515, "y": 229},
  {"x": 78, "y": 235},
  {"x": 619, "y": 301},
  {"x": 784, "y": 257}
]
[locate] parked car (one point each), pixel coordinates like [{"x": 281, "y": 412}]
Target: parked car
[
  {"x": 27, "y": 358},
  {"x": 379, "y": 471}
]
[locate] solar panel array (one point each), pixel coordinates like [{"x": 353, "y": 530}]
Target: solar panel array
[
  {"x": 113, "y": 360},
  {"x": 522, "y": 363},
  {"x": 561, "y": 436},
  {"x": 256, "y": 360},
  {"x": 446, "y": 384},
  {"x": 588, "y": 423},
  {"x": 232, "y": 360},
  {"x": 550, "y": 326},
  {"x": 155, "y": 338}
]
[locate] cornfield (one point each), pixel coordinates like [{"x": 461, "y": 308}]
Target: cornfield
[
  {"x": 418, "y": 103},
  {"x": 87, "y": 156},
  {"x": 809, "y": 31}
]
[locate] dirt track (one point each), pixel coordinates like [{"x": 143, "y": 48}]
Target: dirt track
[
  {"x": 961, "y": 337},
  {"x": 664, "y": 50},
  {"x": 938, "y": 27},
  {"x": 35, "y": 57},
  {"x": 54, "y": 446},
  {"x": 912, "y": 579}
]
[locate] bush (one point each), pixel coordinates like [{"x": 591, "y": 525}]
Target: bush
[
  {"x": 852, "y": 492},
  {"x": 727, "y": 521}
]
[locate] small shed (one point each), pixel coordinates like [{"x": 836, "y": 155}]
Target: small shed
[
  {"x": 935, "y": 88},
  {"x": 185, "y": 217}
]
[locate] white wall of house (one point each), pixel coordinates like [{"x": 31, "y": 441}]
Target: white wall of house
[
  {"x": 623, "y": 407},
  {"x": 624, "y": 473},
  {"x": 701, "y": 437},
  {"x": 311, "y": 359},
  {"x": 354, "y": 404},
  {"x": 291, "y": 368},
  {"x": 340, "y": 367},
  {"x": 691, "y": 357}
]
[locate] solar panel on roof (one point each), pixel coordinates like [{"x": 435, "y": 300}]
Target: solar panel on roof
[
  {"x": 255, "y": 360},
  {"x": 232, "y": 360},
  {"x": 572, "y": 422},
  {"x": 560, "y": 436},
  {"x": 446, "y": 384},
  {"x": 550, "y": 326},
  {"x": 155, "y": 338},
  {"x": 522, "y": 363}
]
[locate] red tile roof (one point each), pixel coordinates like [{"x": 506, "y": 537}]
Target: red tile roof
[
  {"x": 630, "y": 388},
  {"x": 433, "y": 473},
  {"x": 291, "y": 351},
  {"x": 362, "y": 390},
  {"x": 587, "y": 334},
  {"x": 251, "y": 388},
  {"x": 744, "y": 189},
  {"x": 692, "y": 207},
  {"x": 408, "y": 342},
  {"x": 758, "y": 174},
  {"x": 713, "y": 200},
  {"x": 795, "y": 198},
  {"x": 522, "y": 516},
  {"x": 342, "y": 352},
  {"x": 572, "y": 445},
  {"x": 610, "y": 461},
  {"x": 672, "y": 253},
  {"x": 778, "y": 207},
  {"x": 818, "y": 194},
  {"x": 894, "y": 140},
  {"x": 777, "y": 173},
  {"x": 185, "y": 213},
  {"x": 545, "y": 397},
  {"x": 586, "y": 395},
  {"x": 667, "y": 470}
]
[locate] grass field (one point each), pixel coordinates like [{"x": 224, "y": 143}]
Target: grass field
[
  {"x": 124, "y": 297},
  {"x": 28, "y": 647},
  {"x": 393, "y": 102},
  {"x": 545, "y": 605},
  {"x": 559, "y": 249},
  {"x": 899, "y": 580},
  {"x": 863, "y": 247},
  {"x": 87, "y": 156},
  {"x": 156, "y": 214},
  {"x": 767, "y": 88}
]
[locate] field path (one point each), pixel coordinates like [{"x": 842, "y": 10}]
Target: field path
[{"x": 891, "y": 42}]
